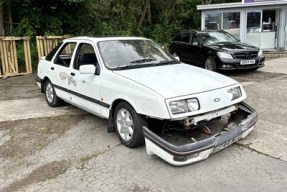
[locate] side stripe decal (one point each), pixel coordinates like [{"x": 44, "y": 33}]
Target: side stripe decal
[{"x": 83, "y": 96}]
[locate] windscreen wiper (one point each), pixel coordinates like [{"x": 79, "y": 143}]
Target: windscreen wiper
[
  {"x": 143, "y": 60},
  {"x": 125, "y": 67},
  {"x": 168, "y": 62}
]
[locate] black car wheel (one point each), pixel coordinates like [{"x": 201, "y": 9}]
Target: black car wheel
[
  {"x": 52, "y": 99},
  {"x": 210, "y": 64},
  {"x": 128, "y": 125}
]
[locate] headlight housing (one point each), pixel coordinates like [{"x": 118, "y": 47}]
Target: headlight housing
[
  {"x": 260, "y": 53},
  {"x": 184, "y": 106},
  {"x": 235, "y": 93},
  {"x": 224, "y": 55}
]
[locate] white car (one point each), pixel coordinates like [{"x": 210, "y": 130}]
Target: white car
[{"x": 181, "y": 112}]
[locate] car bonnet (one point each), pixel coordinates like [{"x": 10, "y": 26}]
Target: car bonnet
[
  {"x": 177, "y": 80},
  {"x": 233, "y": 47}
]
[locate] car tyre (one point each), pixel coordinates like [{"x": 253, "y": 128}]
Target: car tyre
[
  {"x": 210, "y": 64},
  {"x": 129, "y": 125},
  {"x": 50, "y": 95}
]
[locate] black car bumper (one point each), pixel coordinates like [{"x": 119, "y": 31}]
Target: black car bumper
[
  {"x": 200, "y": 150},
  {"x": 233, "y": 64}
]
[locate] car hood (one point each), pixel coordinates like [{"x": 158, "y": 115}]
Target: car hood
[
  {"x": 177, "y": 80},
  {"x": 233, "y": 47}
]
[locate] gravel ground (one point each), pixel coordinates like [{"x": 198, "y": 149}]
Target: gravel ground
[{"x": 66, "y": 149}]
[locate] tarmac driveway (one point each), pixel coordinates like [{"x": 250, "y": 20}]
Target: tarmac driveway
[{"x": 66, "y": 149}]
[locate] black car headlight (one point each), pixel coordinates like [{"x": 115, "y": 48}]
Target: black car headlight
[
  {"x": 234, "y": 93},
  {"x": 184, "y": 106},
  {"x": 224, "y": 55}
]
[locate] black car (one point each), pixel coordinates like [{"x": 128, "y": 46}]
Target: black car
[{"x": 215, "y": 50}]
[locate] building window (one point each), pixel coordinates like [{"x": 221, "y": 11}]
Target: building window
[
  {"x": 254, "y": 21},
  {"x": 213, "y": 20},
  {"x": 231, "y": 23}
]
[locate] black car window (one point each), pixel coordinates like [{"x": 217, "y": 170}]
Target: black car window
[
  {"x": 194, "y": 40},
  {"x": 85, "y": 55},
  {"x": 185, "y": 37},
  {"x": 65, "y": 55},
  {"x": 213, "y": 37},
  {"x": 177, "y": 38}
]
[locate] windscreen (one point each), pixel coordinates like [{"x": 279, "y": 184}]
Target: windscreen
[
  {"x": 139, "y": 52},
  {"x": 209, "y": 38}
]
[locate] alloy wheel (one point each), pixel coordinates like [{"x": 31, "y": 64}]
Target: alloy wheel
[{"x": 125, "y": 124}]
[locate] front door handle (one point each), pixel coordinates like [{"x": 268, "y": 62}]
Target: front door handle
[
  {"x": 73, "y": 74},
  {"x": 52, "y": 68}
]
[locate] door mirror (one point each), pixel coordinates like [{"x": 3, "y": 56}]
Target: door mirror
[
  {"x": 177, "y": 58},
  {"x": 87, "y": 69}
]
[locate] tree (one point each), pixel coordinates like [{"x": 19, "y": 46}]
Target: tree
[
  {"x": 204, "y": 2},
  {"x": 2, "y": 32}
]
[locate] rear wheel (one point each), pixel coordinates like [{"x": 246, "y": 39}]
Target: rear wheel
[
  {"x": 129, "y": 125},
  {"x": 52, "y": 99},
  {"x": 210, "y": 64}
]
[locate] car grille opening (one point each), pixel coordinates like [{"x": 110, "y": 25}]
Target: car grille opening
[{"x": 246, "y": 55}]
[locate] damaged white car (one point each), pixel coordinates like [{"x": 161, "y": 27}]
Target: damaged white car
[{"x": 182, "y": 113}]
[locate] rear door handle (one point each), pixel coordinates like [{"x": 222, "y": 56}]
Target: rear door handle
[
  {"x": 73, "y": 74},
  {"x": 52, "y": 68}
]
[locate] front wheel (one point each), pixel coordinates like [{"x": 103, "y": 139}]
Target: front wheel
[
  {"x": 129, "y": 125},
  {"x": 210, "y": 64}
]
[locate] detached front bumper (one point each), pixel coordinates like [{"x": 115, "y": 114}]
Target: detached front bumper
[{"x": 200, "y": 150}]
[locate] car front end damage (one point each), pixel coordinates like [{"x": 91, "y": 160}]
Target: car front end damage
[{"x": 193, "y": 139}]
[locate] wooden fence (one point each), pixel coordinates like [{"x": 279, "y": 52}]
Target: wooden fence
[
  {"x": 8, "y": 52},
  {"x": 45, "y": 44},
  {"x": 9, "y": 47}
]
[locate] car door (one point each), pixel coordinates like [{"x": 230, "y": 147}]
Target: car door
[
  {"x": 193, "y": 50},
  {"x": 59, "y": 69},
  {"x": 84, "y": 88},
  {"x": 183, "y": 52}
]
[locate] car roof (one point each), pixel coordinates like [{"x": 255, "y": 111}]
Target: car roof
[{"x": 104, "y": 38}]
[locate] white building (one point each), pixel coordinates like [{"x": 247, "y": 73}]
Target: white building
[{"x": 262, "y": 23}]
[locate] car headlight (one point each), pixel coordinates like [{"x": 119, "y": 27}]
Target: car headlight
[
  {"x": 235, "y": 93},
  {"x": 260, "y": 53},
  {"x": 184, "y": 106},
  {"x": 224, "y": 55}
]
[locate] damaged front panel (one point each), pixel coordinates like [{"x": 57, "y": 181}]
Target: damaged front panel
[{"x": 208, "y": 133}]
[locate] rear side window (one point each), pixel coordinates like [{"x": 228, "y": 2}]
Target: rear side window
[
  {"x": 185, "y": 37},
  {"x": 177, "y": 38},
  {"x": 50, "y": 56},
  {"x": 65, "y": 55}
]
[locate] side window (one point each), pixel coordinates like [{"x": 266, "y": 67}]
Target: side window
[
  {"x": 85, "y": 55},
  {"x": 194, "y": 40},
  {"x": 65, "y": 55},
  {"x": 177, "y": 38},
  {"x": 185, "y": 37},
  {"x": 50, "y": 55}
]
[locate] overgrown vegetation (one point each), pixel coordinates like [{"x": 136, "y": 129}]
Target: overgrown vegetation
[{"x": 156, "y": 19}]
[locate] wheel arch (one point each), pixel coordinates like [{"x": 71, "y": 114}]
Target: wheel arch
[
  {"x": 111, "y": 127},
  {"x": 43, "y": 84}
]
